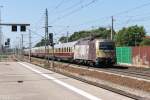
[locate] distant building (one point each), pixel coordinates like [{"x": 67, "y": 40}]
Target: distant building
[{"x": 147, "y": 37}]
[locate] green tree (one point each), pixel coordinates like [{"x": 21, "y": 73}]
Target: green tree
[
  {"x": 41, "y": 43},
  {"x": 63, "y": 39},
  {"x": 130, "y": 36},
  {"x": 100, "y": 32}
]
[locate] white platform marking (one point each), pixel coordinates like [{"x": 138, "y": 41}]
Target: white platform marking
[{"x": 78, "y": 91}]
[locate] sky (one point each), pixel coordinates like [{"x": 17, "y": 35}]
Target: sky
[{"x": 71, "y": 16}]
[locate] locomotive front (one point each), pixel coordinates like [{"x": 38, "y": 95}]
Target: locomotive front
[{"x": 105, "y": 52}]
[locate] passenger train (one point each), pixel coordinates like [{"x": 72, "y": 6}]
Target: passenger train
[{"x": 85, "y": 51}]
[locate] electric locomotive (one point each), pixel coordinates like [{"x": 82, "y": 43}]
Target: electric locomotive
[{"x": 86, "y": 51}]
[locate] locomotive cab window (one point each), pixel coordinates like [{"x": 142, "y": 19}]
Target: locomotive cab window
[{"x": 106, "y": 46}]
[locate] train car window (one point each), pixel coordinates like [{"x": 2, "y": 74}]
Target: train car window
[
  {"x": 64, "y": 49},
  {"x": 55, "y": 50},
  {"x": 69, "y": 49}
]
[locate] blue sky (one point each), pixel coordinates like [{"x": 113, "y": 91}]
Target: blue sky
[{"x": 85, "y": 17}]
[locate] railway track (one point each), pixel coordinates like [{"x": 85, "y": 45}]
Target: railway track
[
  {"x": 122, "y": 70},
  {"x": 128, "y": 72},
  {"x": 142, "y": 73}
]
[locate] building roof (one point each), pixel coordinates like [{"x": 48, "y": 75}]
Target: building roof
[{"x": 147, "y": 37}]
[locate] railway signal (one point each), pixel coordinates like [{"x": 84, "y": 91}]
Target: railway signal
[
  {"x": 23, "y": 28},
  {"x": 14, "y": 28},
  {"x": 7, "y": 43},
  {"x": 51, "y": 39}
]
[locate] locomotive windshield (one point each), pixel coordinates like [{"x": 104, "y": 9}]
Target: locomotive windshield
[{"x": 106, "y": 46}]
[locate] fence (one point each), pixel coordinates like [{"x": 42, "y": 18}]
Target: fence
[
  {"x": 136, "y": 56},
  {"x": 141, "y": 56},
  {"x": 124, "y": 55}
]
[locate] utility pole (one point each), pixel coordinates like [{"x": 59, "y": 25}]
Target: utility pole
[
  {"x": 1, "y": 30},
  {"x": 22, "y": 46},
  {"x": 46, "y": 36},
  {"x": 67, "y": 36},
  {"x": 92, "y": 33},
  {"x": 112, "y": 27},
  {"x": 30, "y": 45}
]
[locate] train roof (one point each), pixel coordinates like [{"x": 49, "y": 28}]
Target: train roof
[
  {"x": 38, "y": 47},
  {"x": 86, "y": 41},
  {"x": 72, "y": 44},
  {"x": 69, "y": 44}
]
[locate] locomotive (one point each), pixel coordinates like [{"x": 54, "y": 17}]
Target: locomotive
[{"x": 86, "y": 51}]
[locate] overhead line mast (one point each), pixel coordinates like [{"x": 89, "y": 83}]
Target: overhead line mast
[
  {"x": 112, "y": 27},
  {"x": 1, "y": 34},
  {"x": 46, "y": 36}
]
